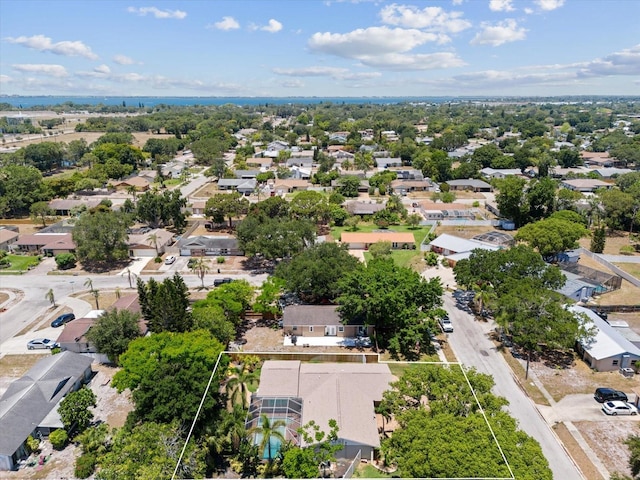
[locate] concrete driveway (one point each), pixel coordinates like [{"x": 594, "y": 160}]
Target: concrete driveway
[
  {"x": 578, "y": 408},
  {"x": 18, "y": 345}
]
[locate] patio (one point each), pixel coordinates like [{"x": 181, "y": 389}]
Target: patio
[{"x": 328, "y": 341}]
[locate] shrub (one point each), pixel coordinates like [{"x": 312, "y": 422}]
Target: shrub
[
  {"x": 158, "y": 259},
  {"x": 33, "y": 444},
  {"x": 65, "y": 261},
  {"x": 431, "y": 258},
  {"x": 220, "y": 260},
  {"x": 475, "y": 204},
  {"x": 627, "y": 250},
  {"x": 58, "y": 438},
  {"x": 85, "y": 465}
]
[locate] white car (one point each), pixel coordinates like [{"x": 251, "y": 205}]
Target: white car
[
  {"x": 170, "y": 259},
  {"x": 445, "y": 324},
  {"x": 618, "y": 407}
]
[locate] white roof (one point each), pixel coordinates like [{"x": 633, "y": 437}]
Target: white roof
[
  {"x": 608, "y": 342},
  {"x": 458, "y": 244}
]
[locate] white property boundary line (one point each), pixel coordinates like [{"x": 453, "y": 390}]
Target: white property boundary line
[{"x": 442, "y": 364}]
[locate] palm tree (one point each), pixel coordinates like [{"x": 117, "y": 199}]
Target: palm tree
[
  {"x": 484, "y": 295},
  {"x": 154, "y": 238},
  {"x": 200, "y": 267},
  {"x": 51, "y": 297},
  {"x": 269, "y": 430},
  {"x": 131, "y": 190},
  {"x": 237, "y": 386},
  {"x": 96, "y": 295}
]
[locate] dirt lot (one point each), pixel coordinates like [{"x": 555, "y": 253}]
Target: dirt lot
[
  {"x": 140, "y": 138},
  {"x": 605, "y": 438},
  {"x": 612, "y": 244}
]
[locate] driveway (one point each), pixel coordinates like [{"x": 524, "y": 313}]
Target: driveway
[{"x": 578, "y": 408}]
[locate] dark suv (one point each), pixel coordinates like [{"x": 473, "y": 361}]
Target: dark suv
[
  {"x": 62, "y": 319},
  {"x": 608, "y": 394},
  {"x": 219, "y": 281}
]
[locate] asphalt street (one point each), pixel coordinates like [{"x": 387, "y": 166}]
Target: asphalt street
[{"x": 473, "y": 348}]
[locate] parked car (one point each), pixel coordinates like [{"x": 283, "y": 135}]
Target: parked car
[
  {"x": 445, "y": 324},
  {"x": 62, "y": 319},
  {"x": 219, "y": 281},
  {"x": 609, "y": 394},
  {"x": 42, "y": 343},
  {"x": 618, "y": 407},
  {"x": 170, "y": 259}
]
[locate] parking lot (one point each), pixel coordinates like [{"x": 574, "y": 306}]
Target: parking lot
[{"x": 580, "y": 407}]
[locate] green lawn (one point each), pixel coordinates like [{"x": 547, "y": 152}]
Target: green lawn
[
  {"x": 20, "y": 263},
  {"x": 369, "y": 471}
]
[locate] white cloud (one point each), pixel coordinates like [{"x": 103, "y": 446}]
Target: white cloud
[
  {"x": 528, "y": 11},
  {"x": 44, "y": 44},
  {"x": 369, "y": 42},
  {"x": 625, "y": 62},
  {"x": 431, "y": 18},
  {"x": 457, "y": 2},
  {"x": 549, "y": 5},
  {"x": 5, "y": 79},
  {"x": 123, "y": 60},
  {"x": 227, "y": 23},
  {"x": 501, "y": 5},
  {"x": 295, "y": 83},
  {"x": 41, "y": 69},
  {"x": 273, "y": 26},
  {"x": 104, "y": 69},
  {"x": 157, "y": 13},
  {"x": 332, "y": 72},
  {"x": 399, "y": 61},
  {"x": 499, "y": 34}
]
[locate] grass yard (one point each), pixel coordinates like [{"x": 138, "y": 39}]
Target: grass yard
[
  {"x": 418, "y": 233},
  {"x": 369, "y": 471},
  {"x": 632, "y": 268},
  {"x": 21, "y": 263},
  {"x": 15, "y": 366}
]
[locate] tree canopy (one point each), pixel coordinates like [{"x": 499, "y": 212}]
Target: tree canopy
[
  {"x": 100, "y": 236},
  {"x": 552, "y": 236},
  {"x": 164, "y": 305},
  {"x": 113, "y": 331}
]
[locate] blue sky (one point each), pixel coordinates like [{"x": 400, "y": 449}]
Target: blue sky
[{"x": 345, "y": 48}]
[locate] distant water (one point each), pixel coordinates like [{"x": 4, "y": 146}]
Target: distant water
[{"x": 29, "y": 102}]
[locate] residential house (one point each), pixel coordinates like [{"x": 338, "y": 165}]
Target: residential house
[
  {"x": 405, "y": 186},
  {"x": 340, "y": 137},
  {"x": 63, "y": 206},
  {"x": 8, "y": 237},
  {"x": 303, "y": 162},
  {"x": 355, "y": 207},
  {"x": 289, "y": 185},
  {"x": 197, "y": 206},
  {"x": 246, "y": 174},
  {"x": 152, "y": 243},
  {"x": 386, "y": 162},
  {"x": 209, "y": 245},
  {"x": 472, "y": 184},
  {"x": 345, "y": 392},
  {"x": 584, "y": 184},
  {"x": 597, "y": 159},
  {"x": 277, "y": 146},
  {"x": 610, "y": 172},
  {"x": 560, "y": 172},
  {"x": 260, "y": 162},
  {"x": 30, "y": 404},
  {"x": 608, "y": 350},
  {"x": 300, "y": 173},
  {"x": 455, "y": 248},
  {"x": 363, "y": 240},
  {"x": 390, "y": 135},
  {"x": 241, "y": 185},
  {"x": 342, "y": 155},
  {"x": 138, "y": 183},
  {"x": 404, "y": 173},
  {"x": 491, "y": 173},
  {"x": 577, "y": 287},
  {"x": 320, "y": 321},
  {"x": 436, "y": 211},
  {"x": 46, "y": 243}
]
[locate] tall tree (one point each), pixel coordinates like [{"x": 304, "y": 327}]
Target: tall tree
[
  {"x": 552, "y": 236},
  {"x": 511, "y": 199},
  {"x": 113, "y": 331},
  {"x": 200, "y": 267},
  {"x": 226, "y": 205},
  {"x": 100, "y": 237},
  {"x": 268, "y": 430},
  {"x": 165, "y": 306},
  {"x": 41, "y": 211},
  {"x": 74, "y": 409}
]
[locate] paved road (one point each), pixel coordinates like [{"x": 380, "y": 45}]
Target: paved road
[
  {"x": 473, "y": 348},
  {"x": 35, "y": 286}
]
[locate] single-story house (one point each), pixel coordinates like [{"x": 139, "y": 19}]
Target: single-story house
[
  {"x": 319, "y": 321},
  {"x": 30, "y": 404},
  {"x": 363, "y": 240},
  {"x": 489, "y": 172},
  {"x": 277, "y": 145},
  {"x": 304, "y": 162},
  {"x": 387, "y": 162},
  {"x": 209, "y": 245},
  {"x": 300, "y": 173},
  {"x": 246, "y": 173},
  {"x": 46, "y": 243},
  {"x": 560, "y": 172},
  {"x": 143, "y": 244},
  {"x": 197, "y": 206},
  {"x": 363, "y": 208},
  {"x": 470, "y": 184},
  {"x": 406, "y": 173},
  {"x": 345, "y": 392},
  {"x": 455, "y": 248},
  {"x": 577, "y": 287},
  {"x": 608, "y": 350},
  {"x": 290, "y": 185},
  {"x": 64, "y": 206},
  {"x": 597, "y": 159},
  {"x": 245, "y": 186},
  {"x": 260, "y": 162},
  {"x": 7, "y": 237},
  {"x": 140, "y": 184},
  {"x": 608, "y": 172},
  {"x": 584, "y": 184},
  {"x": 404, "y": 186},
  {"x": 446, "y": 211},
  {"x": 342, "y": 155}
]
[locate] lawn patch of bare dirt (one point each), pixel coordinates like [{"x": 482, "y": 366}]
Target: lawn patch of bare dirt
[
  {"x": 613, "y": 243},
  {"x": 605, "y": 439},
  {"x": 462, "y": 231},
  {"x": 576, "y": 452}
]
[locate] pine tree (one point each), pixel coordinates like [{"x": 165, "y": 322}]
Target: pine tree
[{"x": 598, "y": 240}]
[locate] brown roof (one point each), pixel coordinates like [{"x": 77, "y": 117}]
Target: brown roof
[
  {"x": 290, "y": 183},
  {"x": 595, "y": 155},
  {"x": 42, "y": 239},
  {"x": 586, "y": 183},
  {"x": 345, "y": 392},
  {"x": 69, "y": 203},
  {"x": 6, "y": 235},
  {"x": 134, "y": 181},
  {"x": 374, "y": 237},
  {"x": 444, "y": 206},
  {"x": 75, "y": 330}
]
